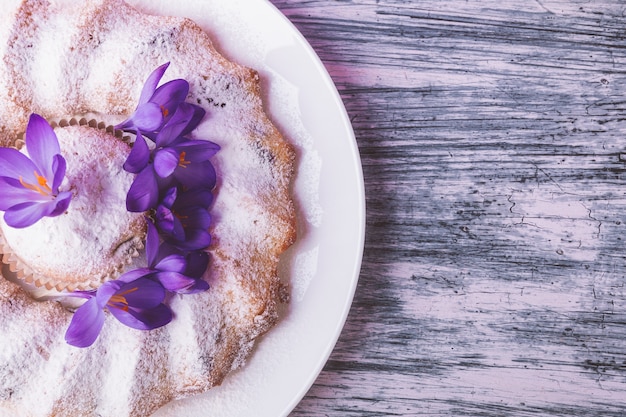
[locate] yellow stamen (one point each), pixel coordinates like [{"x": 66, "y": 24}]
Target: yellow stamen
[
  {"x": 43, "y": 182},
  {"x": 118, "y": 299},
  {"x": 182, "y": 162},
  {"x": 165, "y": 111},
  {"x": 42, "y": 188}
]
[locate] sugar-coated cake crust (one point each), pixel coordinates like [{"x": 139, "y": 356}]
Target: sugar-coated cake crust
[
  {"x": 65, "y": 58},
  {"x": 72, "y": 251}
]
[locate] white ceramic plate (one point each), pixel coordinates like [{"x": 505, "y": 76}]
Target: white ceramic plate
[{"x": 324, "y": 264}]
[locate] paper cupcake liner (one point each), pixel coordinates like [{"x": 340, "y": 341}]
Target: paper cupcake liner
[
  {"x": 37, "y": 283},
  {"x": 83, "y": 121},
  {"x": 23, "y": 272}
]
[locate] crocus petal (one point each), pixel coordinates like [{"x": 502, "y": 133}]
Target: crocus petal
[
  {"x": 13, "y": 193},
  {"x": 42, "y": 144},
  {"x": 144, "y": 319},
  {"x": 135, "y": 274},
  {"x": 142, "y": 293},
  {"x": 175, "y": 126},
  {"x": 151, "y": 83},
  {"x": 198, "y": 115},
  {"x": 165, "y": 162},
  {"x": 172, "y": 263},
  {"x": 144, "y": 192},
  {"x": 198, "y": 198},
  {"x": 166, "y": 250},
  {"x": 198, "y": 175},
  {"x": 148, "y": 117},
  {"x": 174, "y": 281},
  {"x": 165, "y": 219},
  {"x": 170, "y": 197},
  {"x": 198, "y": 286},
  {"x": 169, "y": 224},
  {"x": 62, "y": 203},
  {"x": 139, "y": 155},
  {"x": 152, "y": 243},
  {"x": 85, "y": 325},
  {"x": 195, "y": 217},
  {"x": 15, "y": 164},
  {"x": 170, "y": 95},
  {"x": 197, "y": 263},
  {"x": 58, "y": 168},
  {"x": 197, "y": 150},
  {"x": 195, "y": 239},
  {"x": 106, "y": 291},
  {"x": 27, "y": 213}
]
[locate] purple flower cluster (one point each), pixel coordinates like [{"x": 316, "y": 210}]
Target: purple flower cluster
[
  {"x": 173, "y": 160},
  {"x": 173, "y": 183},
  {"x": 137, "y": 297}
]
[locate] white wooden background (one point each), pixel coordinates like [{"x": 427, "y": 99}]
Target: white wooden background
[{"x": 493, "y": 141}]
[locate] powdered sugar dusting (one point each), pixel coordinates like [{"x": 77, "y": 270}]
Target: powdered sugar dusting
[
  {"x": 97, "y": 232},
  {"x": 117, "y": 377},
  {"x": 213, "y": 332}
]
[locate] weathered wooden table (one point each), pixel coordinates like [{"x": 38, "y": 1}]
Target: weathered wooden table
[{"x": 493, "y": 143}]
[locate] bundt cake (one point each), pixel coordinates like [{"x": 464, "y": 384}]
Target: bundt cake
[{"x": 66, "y": 60}]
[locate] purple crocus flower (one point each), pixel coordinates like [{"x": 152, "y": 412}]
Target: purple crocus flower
[
  {"x": 173, "y": 160},
  {"x": 137, "y": 304},
  {"x": 156, "y": 106},
  {"x": 183, "y": 218},
  {"x": 167, "y": 265},
  {"x": 185, "y": 163},
  {"x": 143, "y": 193},
  {"x": 197, "y": 264},
  {"x": 184, "y": 158},
  {"x": 30, "y": 186}
]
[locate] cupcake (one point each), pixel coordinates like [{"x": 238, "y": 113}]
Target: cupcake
[{"x": 76, "y": 246}]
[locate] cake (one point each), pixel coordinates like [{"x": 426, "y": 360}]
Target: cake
[
  {"x": 38, "y": 254},
  {"x": 64, "y": 61}
]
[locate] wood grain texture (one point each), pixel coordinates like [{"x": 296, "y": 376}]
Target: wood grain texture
[{"x": 493, "y": 143}]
